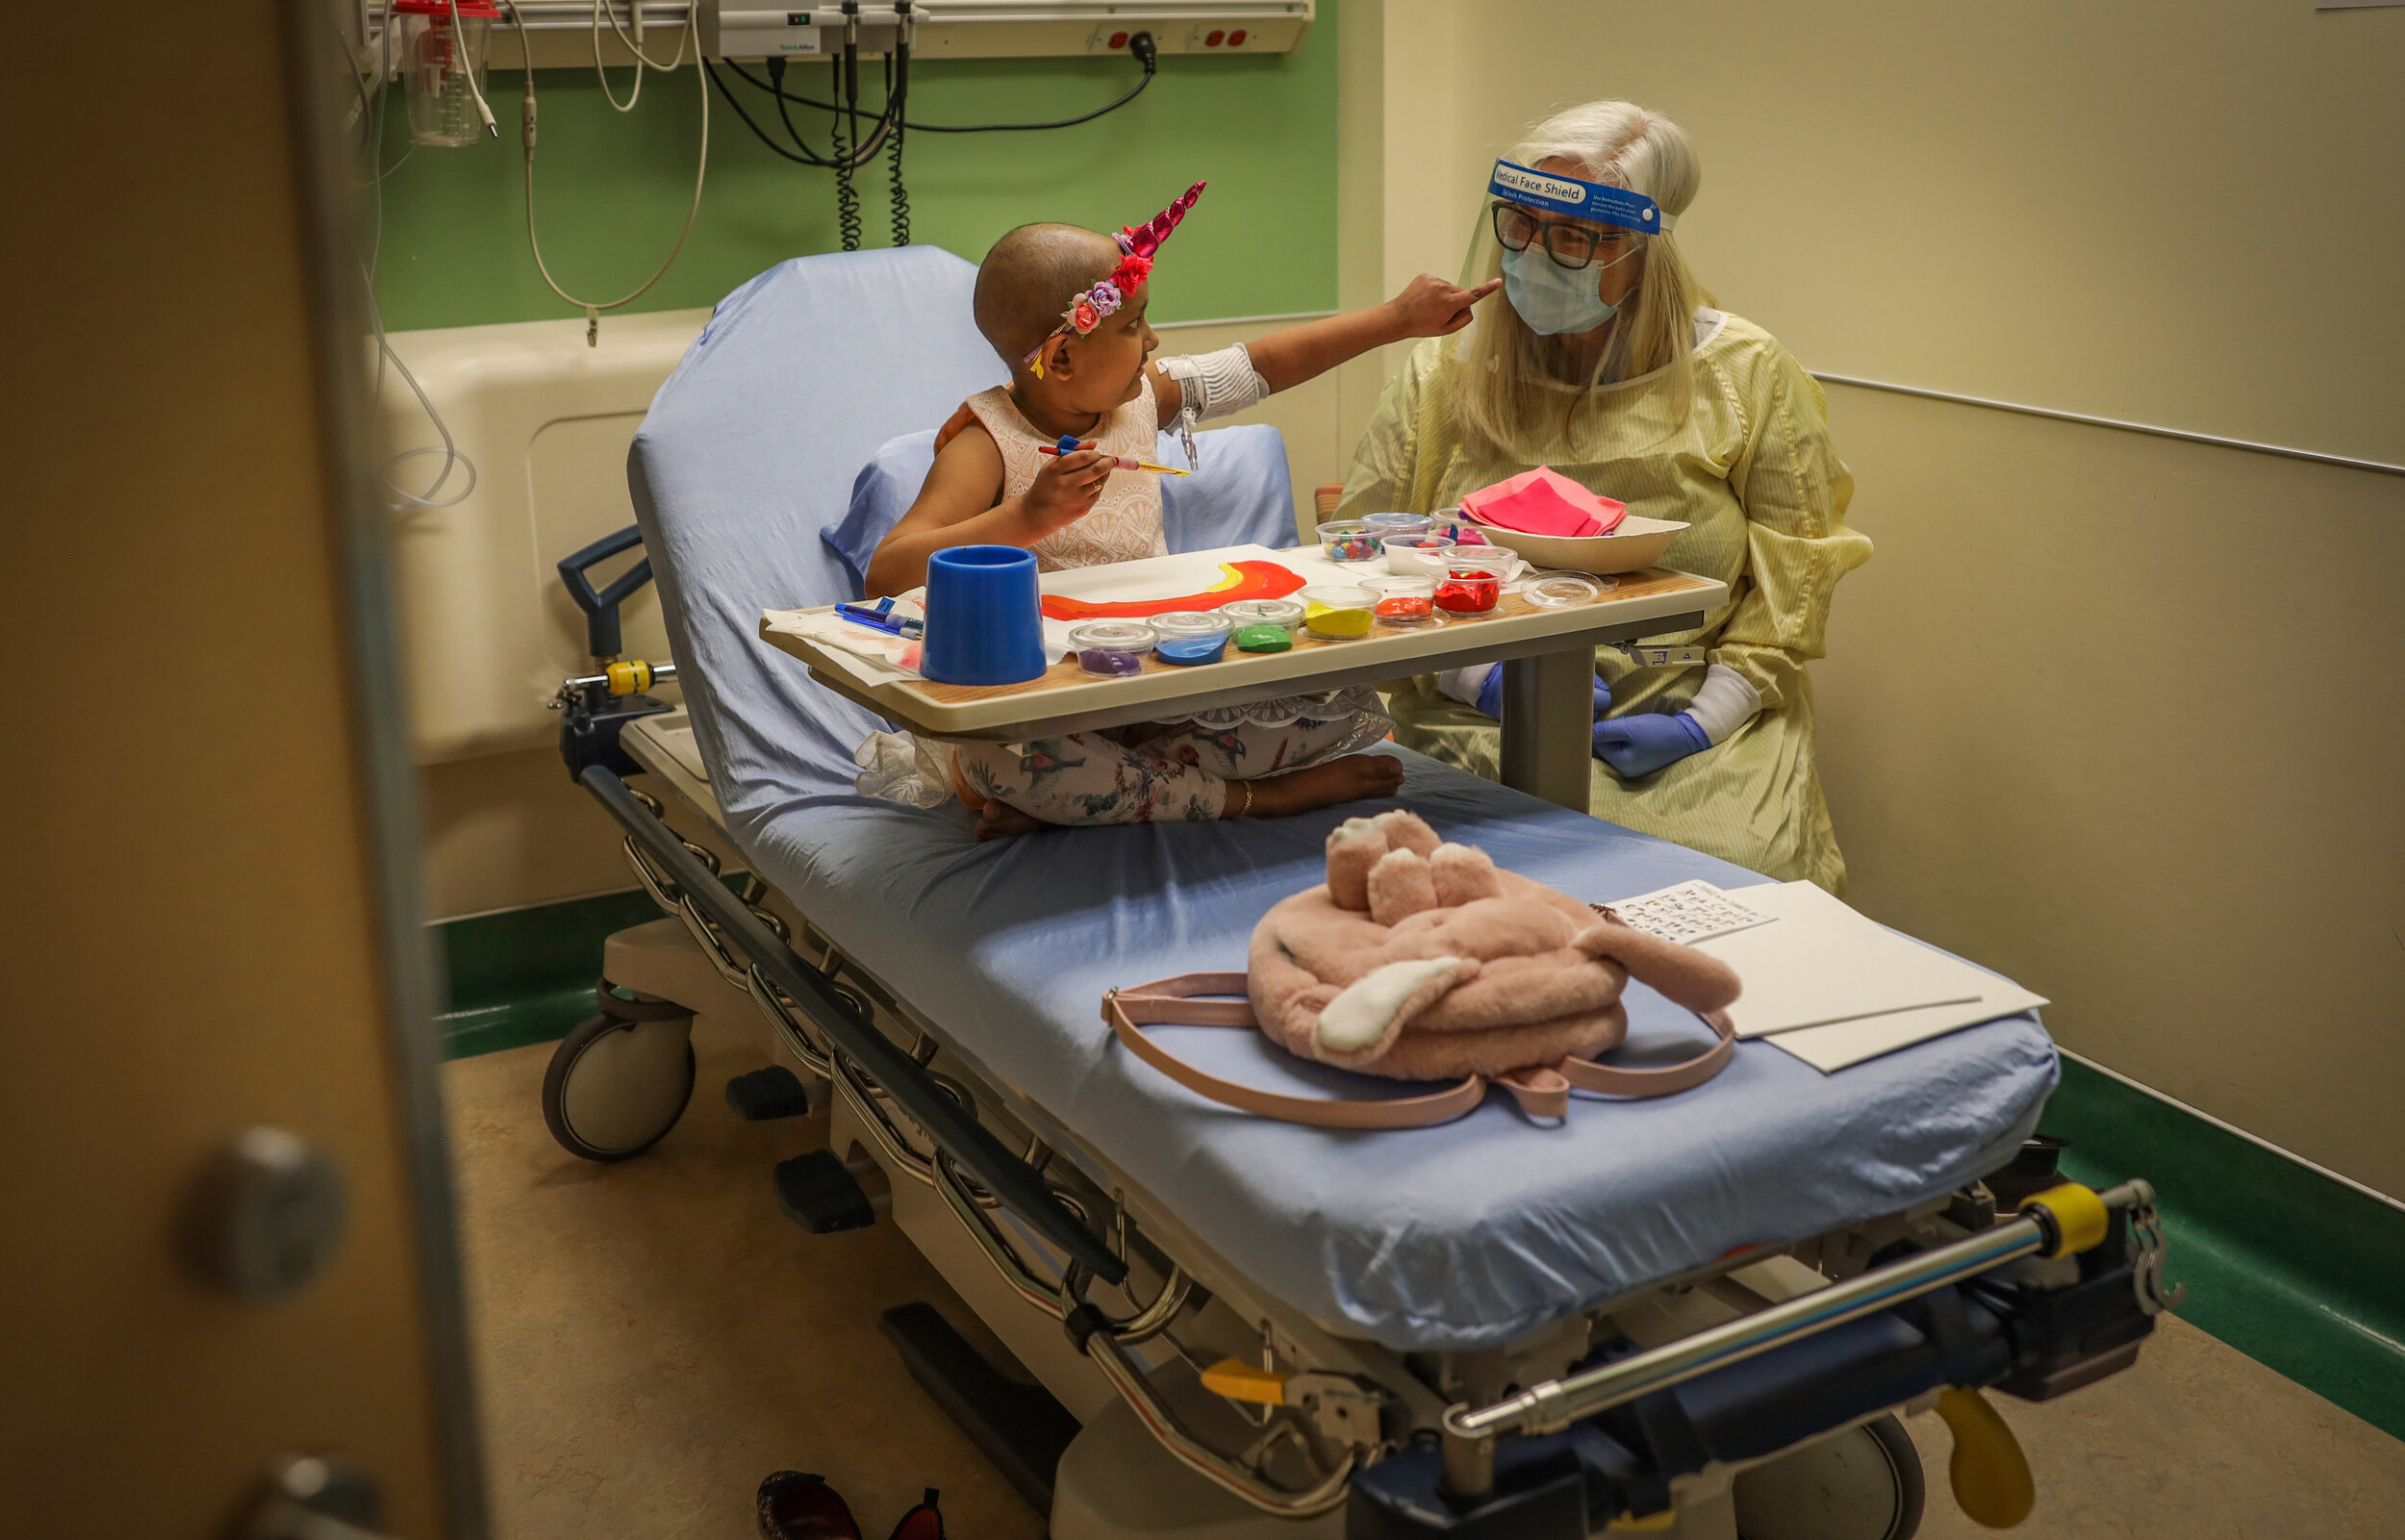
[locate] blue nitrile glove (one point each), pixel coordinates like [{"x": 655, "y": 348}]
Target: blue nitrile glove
[
  {"x": 1491, "y": 695},
  {"x": 1644, "y": 742}
]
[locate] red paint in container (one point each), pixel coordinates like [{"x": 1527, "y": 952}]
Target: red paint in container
[
  {"x": 1469, "y": 592},
  {"x": 1474, "y": 580}
]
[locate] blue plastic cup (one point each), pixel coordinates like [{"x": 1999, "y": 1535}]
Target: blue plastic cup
[{"x": 985, "y": 618}]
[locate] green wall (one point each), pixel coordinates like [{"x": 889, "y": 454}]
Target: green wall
[{"x": 610, "y": 190}]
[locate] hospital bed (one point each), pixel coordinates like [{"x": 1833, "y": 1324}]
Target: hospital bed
[{"x": 1698, "y": 1317}]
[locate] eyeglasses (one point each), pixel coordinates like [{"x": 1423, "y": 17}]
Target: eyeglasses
[{"x": 1570, "y": 246}]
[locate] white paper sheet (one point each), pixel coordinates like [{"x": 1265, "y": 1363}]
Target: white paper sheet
[
  {"x": 1840, "y": 1043},
  {"x": 1687, "y": 913},
  {"x": 1825, "y": 963},
  {"x": 1150, "y": 578}
]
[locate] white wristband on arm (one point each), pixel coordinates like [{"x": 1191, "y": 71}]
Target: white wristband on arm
[
  {"x": 1214, "y": 385},
  {"x": 1725, "y": 702}
]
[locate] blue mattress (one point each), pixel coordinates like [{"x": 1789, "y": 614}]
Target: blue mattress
[{"x": 1460, "y": 1236}]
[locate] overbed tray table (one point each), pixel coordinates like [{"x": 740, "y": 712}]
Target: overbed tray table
[{"x": 1548, "y": 657}]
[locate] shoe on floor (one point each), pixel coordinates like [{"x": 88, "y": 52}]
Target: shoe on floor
[
  {"x": 921, "y": 1523},
  {"x": 796, "y": 1506}
]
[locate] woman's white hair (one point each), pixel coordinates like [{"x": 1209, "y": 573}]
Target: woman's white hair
[{"x": 1517, "y": 375}]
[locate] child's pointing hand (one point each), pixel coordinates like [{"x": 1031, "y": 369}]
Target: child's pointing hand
[{"x": 1431, "y": 307}]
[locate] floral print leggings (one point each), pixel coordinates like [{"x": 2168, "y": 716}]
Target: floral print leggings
[{"x": 1152, "y": 771}]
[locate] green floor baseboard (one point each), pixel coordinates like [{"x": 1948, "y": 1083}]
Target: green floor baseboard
[
  {"x": 2298, "y": 1271},
  {"x": 526, "y": 976}
]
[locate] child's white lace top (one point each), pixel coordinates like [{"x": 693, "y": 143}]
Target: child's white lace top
[{"x": 1125, "y": 523}]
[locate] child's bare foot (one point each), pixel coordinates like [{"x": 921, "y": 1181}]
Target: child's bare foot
[
  {"x": 999, "y": 820},
  {"x": 1353, "y": 779}
]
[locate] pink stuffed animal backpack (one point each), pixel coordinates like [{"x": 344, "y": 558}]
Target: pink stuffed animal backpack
[{"x": 1420, "y": 960}]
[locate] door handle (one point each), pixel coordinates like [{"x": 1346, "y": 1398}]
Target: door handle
[
  {"x": 265, "y": 1215},
  {"x": 310, "y": 1496}
]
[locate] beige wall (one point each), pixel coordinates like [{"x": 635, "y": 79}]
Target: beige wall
[
  {"x": 2120, "y": 718},
  {"x": 2117, "y": 715}
]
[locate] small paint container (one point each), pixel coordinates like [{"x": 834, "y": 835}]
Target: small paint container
[
  {"x": 1455, "y": 526},
  {"x": 1190, "y": 637},
  {"x": 1404, "y": 602},
  {"x": 1242, "y": 613},
  {"x": 1337, "y": 613},
  {"x": 1386, "y": 526},
  {"x": 1350, "y": 539},
  {"x": 1171, "y": 624},
  {"x": 1112, "y": 648},
  {"x": 1188, "y": 651},
  {"x": 1473, "y": 582},
  {"x": 1417, "y": 555},
  {"x": 1263, "y": 636},
  {"x": 1565, "y": 590}
]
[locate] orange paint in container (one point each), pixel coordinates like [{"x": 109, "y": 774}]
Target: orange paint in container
[{"x": 1403, "y": 599}]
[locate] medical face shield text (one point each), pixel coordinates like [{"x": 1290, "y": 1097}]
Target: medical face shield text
[
  {"x": 1550, "y": 193},
  {"x": 1551, "y": 291}
]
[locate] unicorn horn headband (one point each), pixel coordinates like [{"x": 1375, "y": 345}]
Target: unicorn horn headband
[{"x": 1136, "y": 245}]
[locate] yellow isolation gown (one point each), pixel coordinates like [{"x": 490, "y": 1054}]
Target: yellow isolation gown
[{"x": 1750, "y": 470}]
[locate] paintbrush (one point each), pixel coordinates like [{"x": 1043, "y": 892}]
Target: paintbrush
[{"x": 1124, "y": 462}]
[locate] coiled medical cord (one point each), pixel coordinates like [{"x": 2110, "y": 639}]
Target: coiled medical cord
[
  {"x": 594, "y": 310},
  {"x": 776, "y": 86},
  {"x": 848, "y": 92},
  {"x": 847, "y": 200},
  {"x": 898, "y": 93}
]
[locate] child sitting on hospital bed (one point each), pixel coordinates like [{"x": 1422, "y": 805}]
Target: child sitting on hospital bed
[{"x": 1065, "y": 308}]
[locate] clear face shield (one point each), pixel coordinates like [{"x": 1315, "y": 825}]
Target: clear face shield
[{"x": 1568, "y": 252}]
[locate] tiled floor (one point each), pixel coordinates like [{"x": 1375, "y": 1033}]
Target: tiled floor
[{"x": 654, "y": 1337}]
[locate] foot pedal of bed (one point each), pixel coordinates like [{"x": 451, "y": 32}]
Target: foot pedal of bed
[
  {"x": 1019, "y": 1427},
  {"x": 763, "y": 1094},
  {"x": 818, "y": 1194}
]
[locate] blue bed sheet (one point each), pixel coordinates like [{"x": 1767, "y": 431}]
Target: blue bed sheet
[{"x": 1463, "y": 1236}]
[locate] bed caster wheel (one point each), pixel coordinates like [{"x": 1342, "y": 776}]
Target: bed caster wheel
[
  {"x": 617, "y": 1085},
  {"x": 766, "y": 1094},
  {"x": 1862, "y": 1484}
]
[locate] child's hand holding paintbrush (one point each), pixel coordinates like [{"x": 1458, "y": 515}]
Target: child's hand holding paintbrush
[{"x": 1068, "y": 444}]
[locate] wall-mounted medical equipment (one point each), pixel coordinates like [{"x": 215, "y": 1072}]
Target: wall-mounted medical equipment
[
  {"x": 996, "y": 29},
  {"x": 440, "y": 52},
  {"x": 554, "y": 34}
]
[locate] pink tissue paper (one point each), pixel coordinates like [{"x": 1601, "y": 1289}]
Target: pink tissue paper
[{"x": 1544, "y": 502}]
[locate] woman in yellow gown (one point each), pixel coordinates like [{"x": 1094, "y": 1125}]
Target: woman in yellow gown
[{"x": 1600, "y": 359}]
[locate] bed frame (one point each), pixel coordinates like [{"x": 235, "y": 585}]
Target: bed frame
[{"x": 1729, "y": 1400}]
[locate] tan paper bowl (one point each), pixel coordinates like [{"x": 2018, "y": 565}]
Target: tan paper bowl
[{"x": 1636, "y": 544}]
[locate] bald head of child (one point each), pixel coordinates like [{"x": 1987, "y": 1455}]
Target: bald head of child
[{"x": 1027, "y": 282}]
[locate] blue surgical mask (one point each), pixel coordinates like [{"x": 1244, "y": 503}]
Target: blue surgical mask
[{"x": 1551, "y": 298}]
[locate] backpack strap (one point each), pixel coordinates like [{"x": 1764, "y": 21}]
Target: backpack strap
[
  {"x": 1542, "y": 1092},
  {"x": 1168, "y": 1001},
  {"x": 1612, "y": 1081}
]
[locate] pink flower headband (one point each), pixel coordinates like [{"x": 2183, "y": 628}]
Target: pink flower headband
[{"x": 1136, "y": 244}]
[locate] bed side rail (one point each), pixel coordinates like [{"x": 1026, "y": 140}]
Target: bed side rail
[
  {"x": 1981, "y": 1326},
  {"x": 966, "y": 1143}
]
